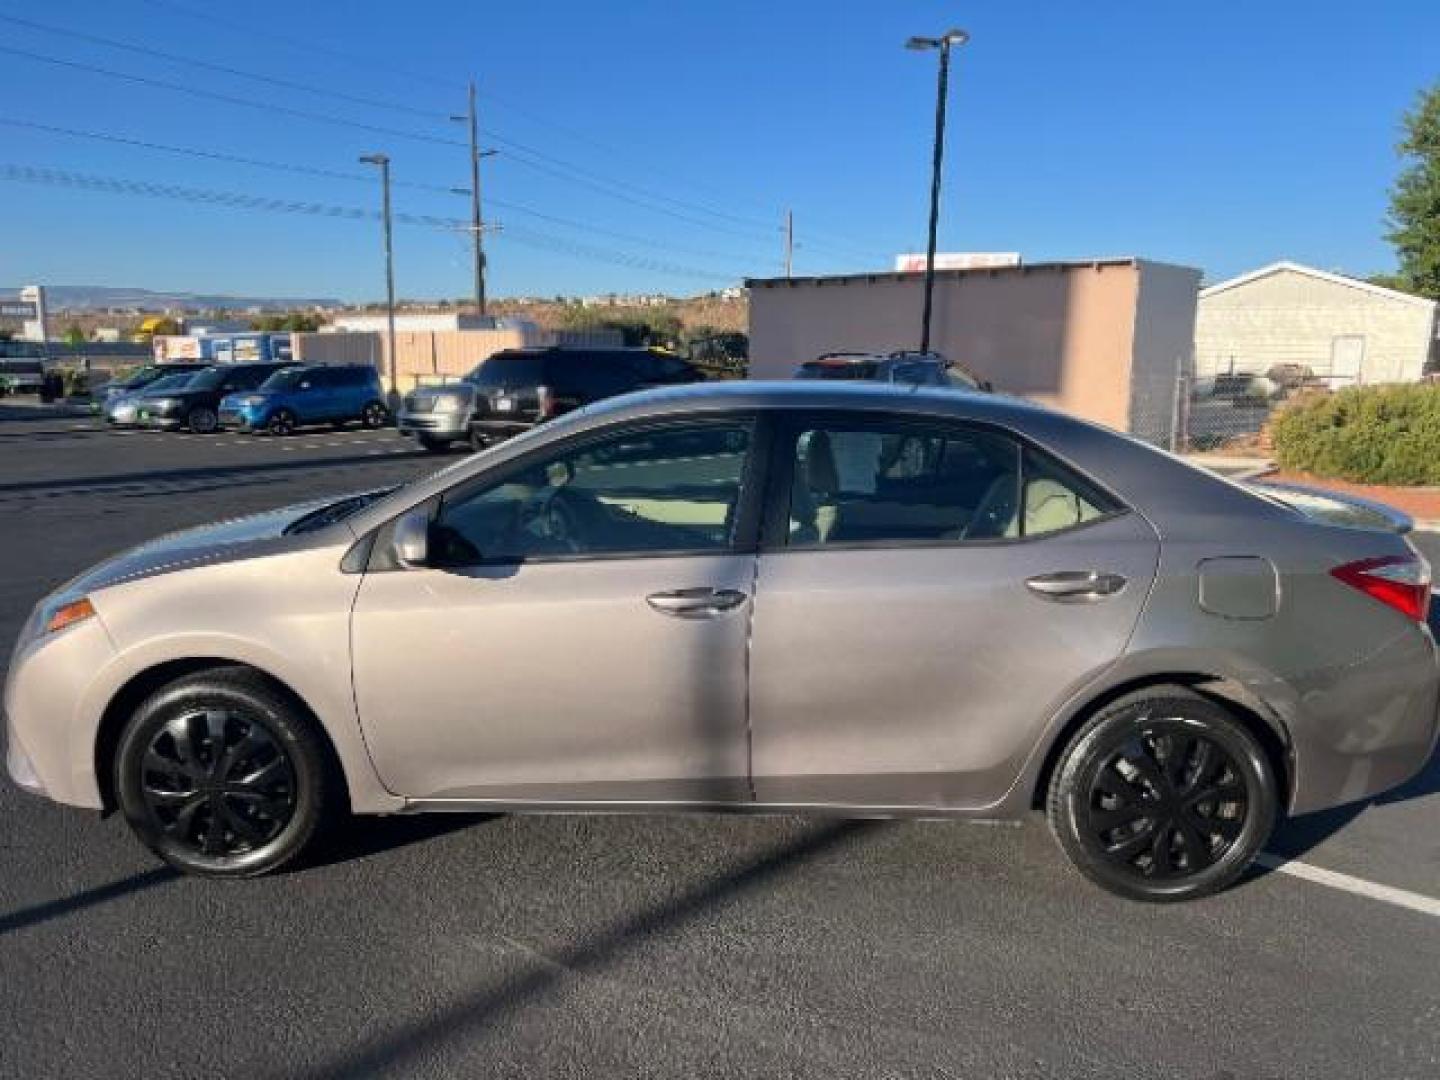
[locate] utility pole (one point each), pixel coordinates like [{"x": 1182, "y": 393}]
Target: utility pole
[
  {"x": 944, "y": 44},
  {"x": 477, "y": 228},
  {"x": 383, "y": 161},
  {"x": 789, "y": 240}
]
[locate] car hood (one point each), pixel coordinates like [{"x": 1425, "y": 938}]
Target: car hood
[{"x": 225, "y": 541}]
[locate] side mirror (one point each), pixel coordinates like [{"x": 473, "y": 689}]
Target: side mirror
[{"x": 411, "y": 538}]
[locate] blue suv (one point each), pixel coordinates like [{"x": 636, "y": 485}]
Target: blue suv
[{"x": 319, "y": 394}]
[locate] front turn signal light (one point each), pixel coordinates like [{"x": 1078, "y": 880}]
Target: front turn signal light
[{"x": 77, "y": 611}]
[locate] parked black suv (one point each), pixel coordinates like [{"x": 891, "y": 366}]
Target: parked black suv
[
  {"x": 196, "y": 405},
  {"x": 518, "y": 388}
]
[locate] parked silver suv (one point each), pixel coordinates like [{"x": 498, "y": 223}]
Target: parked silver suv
[{"x": 799, "y": 597}]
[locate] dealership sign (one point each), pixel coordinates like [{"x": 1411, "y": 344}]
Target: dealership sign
[
  {"x": 957, "y": 260},
  {"x": 31, "y": 308}
]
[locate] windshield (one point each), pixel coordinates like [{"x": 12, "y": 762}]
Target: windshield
[
  {"x": 140, "y": 378},
  {"x": 287, "y": 379},
  {"x": 171, "y": 382},
  {"x": 208, "y": 379},
  {"x": 505, "y": 371}
]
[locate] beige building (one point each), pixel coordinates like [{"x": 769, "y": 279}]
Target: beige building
[
  {"x": 1103, "y": 339},
  {"x": 429, "y": 356},
  {"x": 1346, "y": 330}
]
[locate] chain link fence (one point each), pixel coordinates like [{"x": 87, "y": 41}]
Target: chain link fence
[{"x": 1225, "y": 412}]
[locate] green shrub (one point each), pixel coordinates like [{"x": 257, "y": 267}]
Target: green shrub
[{"x": 1366, "y": 434}]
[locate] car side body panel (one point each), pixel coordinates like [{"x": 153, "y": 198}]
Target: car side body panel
[{"x": 299, "y": 634}]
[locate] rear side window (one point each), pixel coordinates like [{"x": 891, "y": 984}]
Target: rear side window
[
  {"x": 877, "y": 483},
  {"x": 590, "y": 375}
]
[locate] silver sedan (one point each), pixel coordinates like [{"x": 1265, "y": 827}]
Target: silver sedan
[{"x": 799, "y": 598}]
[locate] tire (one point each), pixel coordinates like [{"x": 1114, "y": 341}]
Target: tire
[
  {"x": 1162, "y": 796},
  {"x": 432, "y": 444},
  {"x": 281, "y": 422},
  {"x": 242, "y": 812},
  {"x": 477, "y": 441},
  {"x": 374, "y": 415},
  {"x": 202, "y": 420}
]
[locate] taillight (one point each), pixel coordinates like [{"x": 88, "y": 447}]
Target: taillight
[
  {"x": 1402, "y": 581},
  {"x": 547, "y": 402}
]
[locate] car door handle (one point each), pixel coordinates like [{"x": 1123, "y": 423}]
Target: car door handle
[
  {"x": 701, "y": 603},
  {"x": 1075, "y": 586}
]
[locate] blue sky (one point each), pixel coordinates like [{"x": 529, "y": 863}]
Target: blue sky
[{"x": 1221, "y": 136}]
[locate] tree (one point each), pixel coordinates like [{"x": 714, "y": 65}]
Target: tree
[
  {"x": 296, "y": 320},
  {"x": 1415, "y": 199},
  {"x": 74, "y": 335}
]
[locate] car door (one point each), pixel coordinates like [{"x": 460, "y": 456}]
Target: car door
[
  {"x": 580, "y": 631},
  {"x": 928, "y": 595},
  {"x": 325, "y": 400}
]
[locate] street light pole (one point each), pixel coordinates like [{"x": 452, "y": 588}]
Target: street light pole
[
  {"x": 943, "y": 44},
  {"x": 383, "y": 161}
]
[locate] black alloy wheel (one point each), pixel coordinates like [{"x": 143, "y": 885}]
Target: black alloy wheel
[
  {"x": 202, "y": 420},
  {"x": 281, "y": 423},
  {"x": 374, "y": 415},
  {"x": 1163, "y": 797},
  {"x": 217, "y": 783},
  {"x": 220, "y": 775}
]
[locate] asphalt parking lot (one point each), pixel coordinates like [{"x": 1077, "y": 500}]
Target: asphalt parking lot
[{"x": 650, "y": 946}]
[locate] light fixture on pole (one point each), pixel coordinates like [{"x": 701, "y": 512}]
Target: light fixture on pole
[
  {"x": 383, "y": 161},
  {"x": 944, "y": 44}
]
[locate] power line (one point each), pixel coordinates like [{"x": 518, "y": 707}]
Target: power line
[
  {"x": 219, "y": 155},
  {"x": 51, "y": 177},
  {"x": 230, "y": 99},
  {"x": 370, "y": 64},
  {"x": 335, "y": 174},
  {"x": 205, "y": 65},
  {"x": 581, "y": 174}
]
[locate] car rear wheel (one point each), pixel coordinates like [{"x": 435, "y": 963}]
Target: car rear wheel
[
  {"x": 221, "y": 776},
  {"x": 374, "y": 415},
  {"x": 281, "y": 423},
  {"x": 1163, "y": 795},
  {"x": 202, "y": 420}
]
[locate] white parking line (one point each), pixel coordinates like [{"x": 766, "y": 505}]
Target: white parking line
[{"x": 1425, "y": 905}]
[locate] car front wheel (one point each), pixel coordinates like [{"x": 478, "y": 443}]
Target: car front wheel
[
  {"x": 221, "y": 776},
  {"x": 374, "y": 415},
  {"x": 1163, "y": 795},
  {"x": 202, "y": 420},
  {"x": 281, "y": 423}
]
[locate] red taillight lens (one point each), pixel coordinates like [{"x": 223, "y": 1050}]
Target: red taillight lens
[{"x": 1402, "y": 581}]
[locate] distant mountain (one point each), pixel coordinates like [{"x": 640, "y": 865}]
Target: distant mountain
[{"x": 90, "y": 297}]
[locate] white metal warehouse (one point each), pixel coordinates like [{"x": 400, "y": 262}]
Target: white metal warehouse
[{"x": 1344, "y": 329}]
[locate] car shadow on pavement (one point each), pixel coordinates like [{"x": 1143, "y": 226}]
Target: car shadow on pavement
[
  {"x": 1299, "y": 835},
  {"x": 399, "y": 1050},
  {"x": 54, "y": 909},
  {"x": 364, "y": 835}
]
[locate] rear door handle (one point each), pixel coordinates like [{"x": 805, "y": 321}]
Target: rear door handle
[
  {"x": 1075, "y": 586},
  {"x": 700, "y": 603}
]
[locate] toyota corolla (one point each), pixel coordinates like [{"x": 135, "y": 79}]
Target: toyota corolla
[{"x": 797, "y": 598}]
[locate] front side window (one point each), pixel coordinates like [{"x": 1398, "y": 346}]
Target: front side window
[
  {"x": 673, "y": 489},
  {"x": 873, "y": 483}
]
